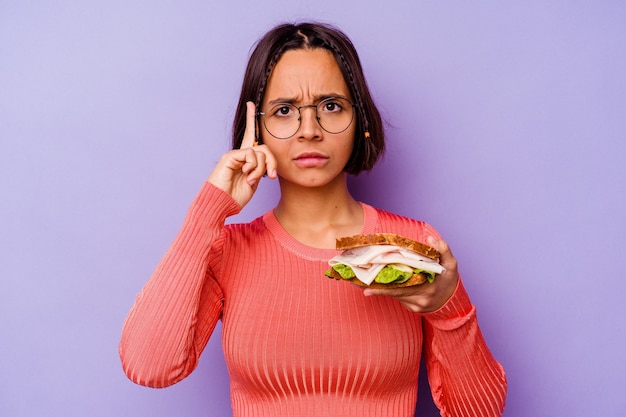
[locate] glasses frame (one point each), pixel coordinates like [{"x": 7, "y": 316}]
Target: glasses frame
[{"x": 259, "y": 114}]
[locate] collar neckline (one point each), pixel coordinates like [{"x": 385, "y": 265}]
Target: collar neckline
[{"x": 318, "y": 254}]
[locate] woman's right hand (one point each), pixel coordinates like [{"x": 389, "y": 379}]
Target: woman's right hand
[{"x": 239, "y": 171}]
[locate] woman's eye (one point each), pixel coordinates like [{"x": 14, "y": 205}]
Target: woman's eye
[
  {"x": 331, "y": 107},
  {"x": 282, "y": 111}
]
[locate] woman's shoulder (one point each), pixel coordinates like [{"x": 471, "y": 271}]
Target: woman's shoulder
[
  {"x": 390, "y": 222},
  {"x": 252, "y": 227}
]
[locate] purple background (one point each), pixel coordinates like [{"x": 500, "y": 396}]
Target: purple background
[{"x": 507, "y": 133}]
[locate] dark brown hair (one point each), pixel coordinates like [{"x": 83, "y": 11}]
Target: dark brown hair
[{"x": 369, "y": 143}]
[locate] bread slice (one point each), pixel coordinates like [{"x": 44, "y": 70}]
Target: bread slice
[
  {"x": 416, "y": 279},
  {"x": 356, "y": 241}
]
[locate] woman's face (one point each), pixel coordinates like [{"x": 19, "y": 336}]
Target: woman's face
[{"x": 312, "y": 157}]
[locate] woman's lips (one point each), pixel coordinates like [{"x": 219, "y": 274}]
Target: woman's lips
[{"x": 310, "y": 159}]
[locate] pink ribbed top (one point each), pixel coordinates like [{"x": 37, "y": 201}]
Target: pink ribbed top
[{"x": 297, "y": 343}]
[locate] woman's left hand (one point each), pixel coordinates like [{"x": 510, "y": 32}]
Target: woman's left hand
[{"x": 427, "y": 297}]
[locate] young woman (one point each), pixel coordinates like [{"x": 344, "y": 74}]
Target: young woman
[{"x": 295, "y": 342}]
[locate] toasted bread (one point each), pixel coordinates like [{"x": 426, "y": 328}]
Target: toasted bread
[{"x": 356, "y": 241}]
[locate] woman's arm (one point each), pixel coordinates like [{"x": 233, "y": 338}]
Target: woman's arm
[
  {"x": 174, "y": 315},
  {"x": 176, "y": 312},
  {"x": 465, "y": 378}
]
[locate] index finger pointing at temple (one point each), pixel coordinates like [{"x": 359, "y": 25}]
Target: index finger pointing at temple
[{"x": 249, "y": 135}]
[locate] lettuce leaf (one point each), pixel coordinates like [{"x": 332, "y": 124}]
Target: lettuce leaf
[
  {"x": 344, "y": 270},
  {"x": 389, "y": 274}
]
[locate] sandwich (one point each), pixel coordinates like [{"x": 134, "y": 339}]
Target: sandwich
[{"x": 384, "y": 260}]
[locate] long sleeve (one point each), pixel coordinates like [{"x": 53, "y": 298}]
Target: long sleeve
[
  {"x": 178, "y": 308},
  {"x": 465, "y": 379}
]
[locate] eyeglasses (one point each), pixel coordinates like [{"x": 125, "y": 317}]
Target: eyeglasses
[{"x": 334, "y": 114}]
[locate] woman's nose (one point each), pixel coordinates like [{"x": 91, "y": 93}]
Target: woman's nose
[{"x": 309, "y": 125}]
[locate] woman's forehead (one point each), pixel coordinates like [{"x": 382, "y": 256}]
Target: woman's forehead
[{"x": 305, "y": 74}]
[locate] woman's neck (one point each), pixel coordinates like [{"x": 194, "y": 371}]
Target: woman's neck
[{"x": 317, "y": 216}]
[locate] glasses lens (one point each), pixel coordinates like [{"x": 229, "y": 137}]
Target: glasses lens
[
  {"x": 334, "y": 115},
  {"x": 282, "y": 120}
]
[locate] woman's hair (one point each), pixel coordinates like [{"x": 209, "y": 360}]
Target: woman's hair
[{"x": 369, "y": 142}]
